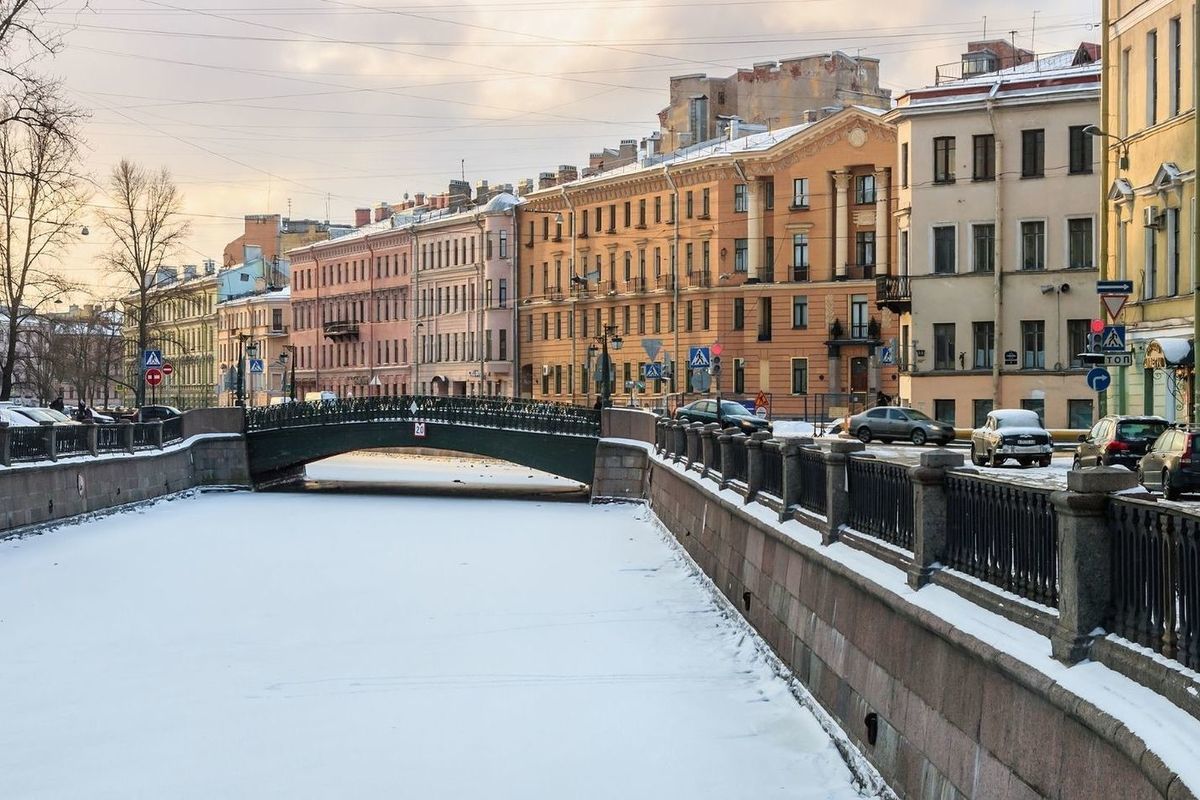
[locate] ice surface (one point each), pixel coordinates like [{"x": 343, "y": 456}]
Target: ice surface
[
  {"x": 359, "y": 646},
  {"x": 421, "y": 470}
]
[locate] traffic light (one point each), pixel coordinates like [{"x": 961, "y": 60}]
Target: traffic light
[
  {"x": 715, "y": 366},
  {"x": 1093, "y": 351}
]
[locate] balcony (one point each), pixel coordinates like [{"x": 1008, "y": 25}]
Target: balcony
[
  {"x": 637, "y": 285},
  {"x": 857, "y": 272},
  {"x": 894, "y": 293},
  {"x": 606, "y": 287},
  {"x": 800, "y": 274},
  {"x": 702, "y": 280},
  {"x": 341, "y": 329},
  {"x": 554, "y": 293},
  {"x": 666, "y": 281},
  {"x": 278, "y": 330}
]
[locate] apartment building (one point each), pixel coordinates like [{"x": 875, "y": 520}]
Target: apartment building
[
  {"x": 1149, "y": 150},
  {"x": 997, "y": 224},
  {"x": 270, "y": 236},
  {"x": 768, "y": 244},
  {"x": 258, "y": 320}
]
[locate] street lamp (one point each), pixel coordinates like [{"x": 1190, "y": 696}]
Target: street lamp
[
  {"x": 291, "y": 381},
  {"x": 1123, "y": 144},
  {"x": 240, "y": 397},
  {"x": 608, "y": 335}
]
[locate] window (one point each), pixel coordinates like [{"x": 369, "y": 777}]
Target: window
[
  {"x": 1077, "y": 340},
  {"x": 740, "y": 254},
  {"x": 704, "y": 316},
  {"x": 984, "y": 164},
  {"x": 1079, "y": 412},
  {"x": 800, "y": 193},
  {"x": 739, "y": 375},
  {"x": 764, "y": 319},
  {"x": 799, "y": 376},
  {"x": 1172, "y": 251},
  {"x": 864, "y": 248},
  {"x": 704, "y": 204},
  {"x": 1033, "y": 153},
  {"x": 943, "y": 159},
  {"x": 658, "y": 209},
  {"x": 1080, "y": 146},
  {"x": 1151, "y": 78},
  {"x": 741, "y": 198},
  {"x": 980, "y": 409},
  {"x": 1033, "y": 244},
  {"x": 943, "y": 345},
  {"x": 1176, "y": 56},
  {"x": 904, "y": 165},
  {"x": 690, "y": 204},
  {"x": 1150, "y": 277},
  {"x": 1038, "y": 406},
  {"x": 1079, "y": 243},
  {"x": 800, "y": 257},
  {"x": 739, "y": 313},
  {"x": 860, "y": 323},
  {"x": 984, "y": 335},
  {"x": 642, "y": 213},
  {"x": 687, "y": 315},
  {"x": 625, "y": 319},
  {"x": 503, "y": 298},
  {"x": 1033, "y": 343},
  {"x": 864, "y": 189},
  {"x": 768, "y": 189},
  {"x": 943, "y": 411},
  {"x": 943, "y": 250},
  {"x": 800, "y": 312},
  {"x": 983, "y": 247}
]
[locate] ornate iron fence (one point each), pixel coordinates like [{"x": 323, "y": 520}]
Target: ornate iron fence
[
  {"x": 1004, "y": 534},
  {"x": 1156, "y": 578},
  {"x": 110, "y": 438},
  {"x": 142, "y": 437},
  {"x": 772, "y": 469},
  {"x": 172, "y": 430},
  {"x": 882, "y": 500},
  {"x": 513, "y": 414},
  {"x": 27, "y": 443},
  {"x": 72, "y": 440},
  {"x": 812, "y": 480},
  {"x": 739, "y": 463}
]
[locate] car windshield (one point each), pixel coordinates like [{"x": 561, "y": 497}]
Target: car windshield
[
  {"x": 37, "y": 415},
  {"x": 1018, "y": 419},
  {"x": 1140, "y": 429},
  {"x": 919, "y": 416},
  {"x": 730, "y": 409},
  {"x": 58, "y": 415}
]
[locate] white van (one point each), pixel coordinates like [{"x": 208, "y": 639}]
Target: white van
[
  {"x": 278, "y": 401},
  {"x": 317, "y": 397}
]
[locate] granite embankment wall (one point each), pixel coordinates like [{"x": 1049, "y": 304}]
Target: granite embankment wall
[{"x": 212, "y": 453}]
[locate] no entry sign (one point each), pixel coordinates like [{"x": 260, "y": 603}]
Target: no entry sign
[{"x": 167, "y": 369}]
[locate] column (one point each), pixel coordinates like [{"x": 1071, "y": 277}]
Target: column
[
  {"x": 841, "y": 223},
  {"x": 837, "y": 494},
  {"x": 882, "y": 220},
  {"x": 754, "y": 229}
]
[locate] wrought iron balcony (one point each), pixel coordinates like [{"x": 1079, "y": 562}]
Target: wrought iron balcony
[
  {"x": 637, "y": 285},
  {"x": 341, "y": 328},
  {"x": 666, "y": 281},
  {"x": 894, "y": 293},
  {"x": 701, "y": 279},
  {"x": 857, "y": 272}
]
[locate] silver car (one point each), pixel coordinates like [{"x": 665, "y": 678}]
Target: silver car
[
  {"x": 1011, "y": 433},
  {"x": 889, "y": 423}
]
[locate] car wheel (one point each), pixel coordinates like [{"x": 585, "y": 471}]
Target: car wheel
[
  {"x": 918, "y": 437},
  {"x": 1169, "y": 491},
  {"x": 864, "y": 434},
  {"x": 1044, "y": 462},
  {"x": 976, "y": 460},
  {"x": 1076, "y": 464},
  {"x": 1141, "y": 478},
  {"x": 996, "y": 459}
]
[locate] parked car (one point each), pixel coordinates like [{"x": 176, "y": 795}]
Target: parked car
[
  {"x": 59, "y": 417},
  {"x": 36, "y": 414},
  {"x": 98, "y": 416},
  {"x": 9, "y": 415},
  {"x": 888, "y": 423},
  {"x": 1011, "y": 433},
  {"x": 1118, "y": 441},
  {"x": 730, "y": 414},
  {"x": 155, "y": 413},
  {"x": 1171, "y": 464}
]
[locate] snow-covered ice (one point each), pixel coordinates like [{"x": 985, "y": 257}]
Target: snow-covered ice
[
  {"x": 431, "y": 471},
  {"x": 330, "y": 645}
]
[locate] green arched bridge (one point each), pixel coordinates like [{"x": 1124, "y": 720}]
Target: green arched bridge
[{"x": 557, "y": 438}]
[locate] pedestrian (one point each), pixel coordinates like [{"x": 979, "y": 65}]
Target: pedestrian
[
  {"x": 83, "y": 413},
  {"x": 57, "y": 403}
]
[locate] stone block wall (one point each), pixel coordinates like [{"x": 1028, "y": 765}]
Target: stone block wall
[
  {"x": 628, "y": 423},
  {"x": 620, "y": 472},
  {"x": 953, "y": 717},
  {"x": 52, "y": 491}
]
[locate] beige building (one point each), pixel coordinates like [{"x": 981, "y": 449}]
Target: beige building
[
  {"x": 1150, "y": 180},
  {"x": 259, "y": 320},
  {"x": 997, "y": 224}
]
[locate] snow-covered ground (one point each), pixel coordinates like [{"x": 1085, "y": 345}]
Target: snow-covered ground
[
  {"x": 336, "y": 645},
  {"x": 435, "y": 472}
]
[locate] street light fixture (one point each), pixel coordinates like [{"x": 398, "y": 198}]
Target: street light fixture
[
  {"x": 1123, "y": 144},
  {"x": 291, "y": 380},
  {"x": 608, "y": 335}
]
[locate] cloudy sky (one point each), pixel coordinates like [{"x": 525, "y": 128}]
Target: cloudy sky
[{"x": 319, "y": 106}]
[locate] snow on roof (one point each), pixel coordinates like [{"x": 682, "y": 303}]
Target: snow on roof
[
  {"x": 1016, "y": 417},
  {"x": 1053, "y": 71},
  {"x": 284, "y": 293}
]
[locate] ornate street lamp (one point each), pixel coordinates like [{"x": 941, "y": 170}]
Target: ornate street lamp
[{"x": 608, "y": 335}]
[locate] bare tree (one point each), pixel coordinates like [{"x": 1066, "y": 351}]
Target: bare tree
[
  {"x": 41, "y": 196},
  {"x": 146, "y": 228},
  {"x": 27, "y": 96}
]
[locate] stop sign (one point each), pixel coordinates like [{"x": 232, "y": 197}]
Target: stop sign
[
  {"x": 154, "y": 376},
  {"x": 167, "y": 369}
]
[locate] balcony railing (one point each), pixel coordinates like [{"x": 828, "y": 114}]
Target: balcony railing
[
  {"x": 893, "y": 292},
  {"x": 800, "y": 274},
  {"x": 701, "y": 279},
  {"x": 554, "y": 293},
  {"x": 666, "y": 281},
  {"x": 858, "y": 272},
  {"x": 278, "y": 330},
  {"x": 637, "y": 285},
  {"x": 341, "y": 328}
]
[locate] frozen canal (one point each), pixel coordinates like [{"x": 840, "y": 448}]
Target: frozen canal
[{"x": 367, "y": 646}]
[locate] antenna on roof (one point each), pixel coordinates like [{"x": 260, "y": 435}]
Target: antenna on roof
[
  {"x": 985, "y": 27},
  {"x": 1032, "y": 34},
  {"x": 463, "y": 166},
  {"x": 1013, "y": 37}
]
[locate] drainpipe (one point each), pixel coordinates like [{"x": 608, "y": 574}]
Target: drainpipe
[
  {"x": 515, "y": 295},
  {"x": 998, "y": 271},
  {"x": 1195, "y": 204},
  {"x": 416, "y": 326},
  {"x": 320, "y": 322},
  {"x": 571, "y": 283},
  {"x": 369, "y": 313},
  {"x": 674, "y": 274},
  {"x": 1102, "y": 400},
  {"x": 480, "y": 296}
]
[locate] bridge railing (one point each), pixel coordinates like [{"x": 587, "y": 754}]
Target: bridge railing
[
  {"x": 24, "y": 444},
  {"x": 487, "y": 412}
]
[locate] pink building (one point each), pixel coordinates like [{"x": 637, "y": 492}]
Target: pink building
[{"x": 418, "y": 302}]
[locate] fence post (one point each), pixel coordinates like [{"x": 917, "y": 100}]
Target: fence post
[
  {"x": 754, "y": 463},
  {"x": 679, "y": 441},
  {"x": 692, "y": 437},
  {"x": 50, "y": 440},
  {"x": 127, "y": 435},
  {"x": 5, "y": 445},
  {"x": 1084, "y": 558},
  {"x": 93, "y": 437},
  {"x": 660, "y": 434},
  {"x": 727, "y": 443},
  {"x": 156, "y": 434},
  {"x": 790, "y": 453},
  {"x": 929, "y": 513},
  {"x": 837, "y": 486},
  {"x": 708, "y": 444}
]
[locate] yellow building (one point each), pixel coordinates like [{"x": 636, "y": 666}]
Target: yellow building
[
  {"x": 1149, "y": 120},
  {"x": 182, "y": 325},
  {"x": 257, "y": 321}
]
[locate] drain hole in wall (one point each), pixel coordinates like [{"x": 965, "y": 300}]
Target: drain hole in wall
[
  {"x": 51, "y": 505},
  {"x": 746, "y": 600},
  {"x": 872, "y": 723}
]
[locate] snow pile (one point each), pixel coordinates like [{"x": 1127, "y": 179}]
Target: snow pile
[
  {"x": 422, "y": 471},
  {"x": 790, "y": 429}
]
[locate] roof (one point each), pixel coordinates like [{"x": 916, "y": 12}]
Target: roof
[{"x": 284, "y": 293}]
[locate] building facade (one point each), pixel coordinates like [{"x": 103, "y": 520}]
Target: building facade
[
  {"x": 261, "y": 319},
  {"x": 271, "y": 235},
  {"x": 998, "y": 231},
  {"x": 1150, "y": 185},
  {"x": 767, "y": 245}
]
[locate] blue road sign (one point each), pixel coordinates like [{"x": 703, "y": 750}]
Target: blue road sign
[
  {"x": 1098, "y": 379},
  {"x": 701, "y": 380},
  {"x": 1114, "y": 287},
  {"x": 256, "y": 365},
  {"x": 699, "y": 358},
  {"x": 886, "y": 356},
  {"x": 151, "y": 358},
  {"x": 652, "y": 370},
  {"x": 1113, "y": 339}
]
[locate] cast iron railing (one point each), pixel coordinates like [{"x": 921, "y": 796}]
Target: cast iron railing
[
  {"x": 1156, "y": 578},
  {"x": 812, "y": 480},
  {"x": 27, "y": 443},
  {"x": 72, "y": 440},
  {"x": 142, "y": 437},
  {"x": 739, "y": 463},
  {"x": 172, "y": 430},
  {"x": 1003, "y": 534},
  {"x": 488, "y": 412},
  {"x": 110, "y": 438},
  {"x": 772, "y": 469},
  {"x": 714, "y": 467},
  {"x": 882, "y": 500}
]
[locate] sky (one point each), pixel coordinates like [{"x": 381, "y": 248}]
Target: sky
[{"x": 311, "y": 108}]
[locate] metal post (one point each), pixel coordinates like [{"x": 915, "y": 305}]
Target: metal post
[
  {"x": 606, "y": 399},
  {"x": 292, "y": 379},
  {"x": 241, "y": 376},
  {"x": 1195, "y": 204}
]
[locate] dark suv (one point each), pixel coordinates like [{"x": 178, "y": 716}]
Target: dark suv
[
  {"x": 731, "y": 415},
  {"x": 1117, "y": 440},
  {"x": 1172, "y": 463}
]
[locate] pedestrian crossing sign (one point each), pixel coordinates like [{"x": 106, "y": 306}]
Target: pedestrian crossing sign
[
  {"x": 1113, "y": 339},
  {"x": 151, "y": 358}
]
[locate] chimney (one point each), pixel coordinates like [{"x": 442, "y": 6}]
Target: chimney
[
  {"x": 459, "y": 194},
  {"x": 567, "y": 173},
  {"x": 210, "y": 266},
  {"x": 189, "y": 271},
  {"x": 735, "y": 127},
  {"x": 382, "y": 212},
  {"x": 482, "y": 193},
  {"x": 361, "y": 217},
  {"x": 628, "y": 150},
  {"x": 545, "y": 180},
  {"x": 420, "y": 198}
]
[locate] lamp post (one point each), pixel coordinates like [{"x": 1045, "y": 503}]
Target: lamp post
[
  {"x": 607, "y": 334},
  {"x": 289, "y": 379},
  {"x": 251, "y": 354},
  {"x": 240, "y": 397}
]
